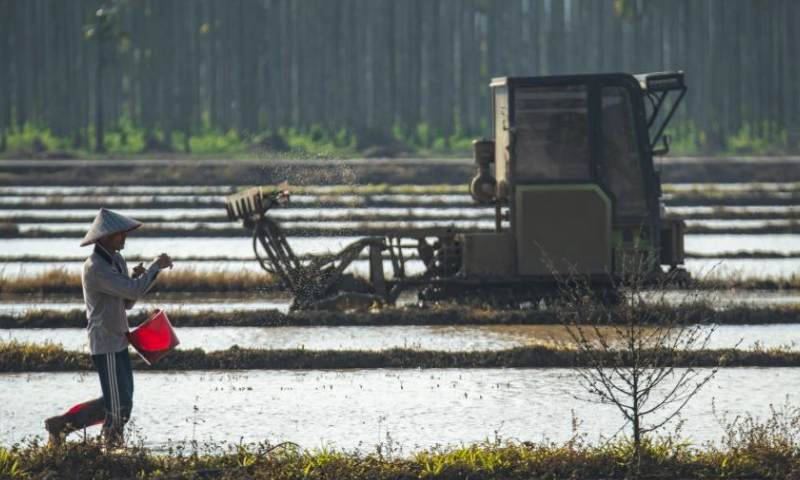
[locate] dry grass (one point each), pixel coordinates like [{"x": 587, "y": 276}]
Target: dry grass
[{"x": 59, "y": 281}]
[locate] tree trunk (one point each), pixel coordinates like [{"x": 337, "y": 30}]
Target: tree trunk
[
  {"x": 635, "y": 465},
  {"x": 99, "y": 125},
  {"x": 4, "y": 84},
  {"x": 636, "y": 461}
]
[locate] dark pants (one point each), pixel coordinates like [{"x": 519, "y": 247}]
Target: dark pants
[{"x": 116, "y": 380}]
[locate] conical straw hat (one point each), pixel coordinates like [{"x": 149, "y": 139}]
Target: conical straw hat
[{"x": 106, "y": 223}]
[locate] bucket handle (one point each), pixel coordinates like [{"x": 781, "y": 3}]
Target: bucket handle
[{"x": 144, "y": 297}]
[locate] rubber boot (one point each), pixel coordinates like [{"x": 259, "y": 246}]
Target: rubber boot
[{"x": 77, "y": 418}]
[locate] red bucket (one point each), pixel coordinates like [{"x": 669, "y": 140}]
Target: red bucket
[{"x": 154, "y": 338}]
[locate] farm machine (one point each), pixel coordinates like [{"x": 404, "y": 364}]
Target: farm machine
[{"x": 570, "y": 174}]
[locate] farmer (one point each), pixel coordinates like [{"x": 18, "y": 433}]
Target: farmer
[{"x": 108, "y": 291}]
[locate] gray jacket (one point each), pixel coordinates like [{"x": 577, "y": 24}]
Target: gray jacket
[{"x": 108, "y": 291}]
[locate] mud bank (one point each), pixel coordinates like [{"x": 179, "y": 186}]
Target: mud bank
[{"x": 20, "y": 357}]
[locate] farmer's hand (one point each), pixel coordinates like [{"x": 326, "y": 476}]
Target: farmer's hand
[
  {"x": 163, "y": 261},
  {"x": 138, "y": 270}
]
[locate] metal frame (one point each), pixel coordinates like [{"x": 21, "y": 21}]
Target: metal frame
[
  {"x": 313, "y": 281},
  {"x": 637, "y": 90}
]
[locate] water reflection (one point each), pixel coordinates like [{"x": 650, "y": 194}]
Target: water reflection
[
  {"x": 242, "y": 247},
  {"x": 414, "y": 409},
  {"x": 447, "y": 338}
]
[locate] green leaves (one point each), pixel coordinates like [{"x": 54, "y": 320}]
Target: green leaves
[
  {"x": 661, "y": 459},
  {"x": 9, "y": 465}
]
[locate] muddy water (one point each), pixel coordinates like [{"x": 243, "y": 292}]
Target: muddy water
[
  {"x": 117, "y": 190},
  {"x": 87, "y": 215},
  {"x": 329, "y": 225},
  {"x": 240, "y": 252},
  {"x": 251, "y": 301},
  {"x": 750, "y": 209},
  {"x": 186, "y": 306},
  {"x": 242, "y": 247},
  {"x": 131, "y": 201},
  {"x": 236, "y": 248},
  {"x": 731, "y": 187},
  {"x": 743, "y": 268},
  {"x": 449, "y": 338},
  {"x": 30, "y": 269},
  {"x": 326, "y": 338},
  {"x": 738, "y": 224},
  {"x": 360, "y": 221},
  {"x": 407, "y": 409},
  {"x": 58, "y": 200},
  {"x": 214, "y": 189},
  {"x": 46, "y": 218},
  {"x": 728, "y": 243},
  {"x": 80, "y": 217}
]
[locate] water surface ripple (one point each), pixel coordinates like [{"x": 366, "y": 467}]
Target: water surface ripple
[
  {"x": 408, "y": 410},
  {"x": 448, "y": 338}
]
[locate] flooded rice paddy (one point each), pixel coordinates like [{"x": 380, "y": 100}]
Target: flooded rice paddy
[
  {"x": 48, "y": 217},
  {"x": 406, "y": 410},
  {"x": 444, "y": 338},
  {"x": 233, "y": 248},
  {"x": 700, "y": 268},
  {"x": 198, "y": 200},
  {"x": 17, "y": 306},
  {"x": 56, "y": 211},
  {"x": 404, "y": 220},
  {"x": 357, "y": 409},
  {"x": 236, "y": 254},
  {"x": 332, "y": 226},
  {"x": 731, "y": 187}
]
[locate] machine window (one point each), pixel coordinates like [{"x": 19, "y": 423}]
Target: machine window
[
  {"x": 552, "y": 133},
  {"x": 621, "y": 171}
]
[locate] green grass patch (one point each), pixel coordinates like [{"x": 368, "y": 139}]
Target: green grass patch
[{"x": 753, "y": 449}]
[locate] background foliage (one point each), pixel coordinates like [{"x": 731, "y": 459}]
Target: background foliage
[{"x": 347, "y": 75}]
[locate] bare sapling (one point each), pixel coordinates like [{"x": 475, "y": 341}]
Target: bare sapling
[{"x": 634, "y": 336}]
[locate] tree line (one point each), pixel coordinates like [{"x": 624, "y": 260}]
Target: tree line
[{"x": 381, "y": 68}]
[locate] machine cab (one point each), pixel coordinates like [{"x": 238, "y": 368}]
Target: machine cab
[{"x": 573, "y": 162}]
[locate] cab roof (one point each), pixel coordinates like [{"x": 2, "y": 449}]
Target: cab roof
[{"x": 648, "y": 82}]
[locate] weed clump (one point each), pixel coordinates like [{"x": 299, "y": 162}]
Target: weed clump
[{"x": 772, "y": 457}]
